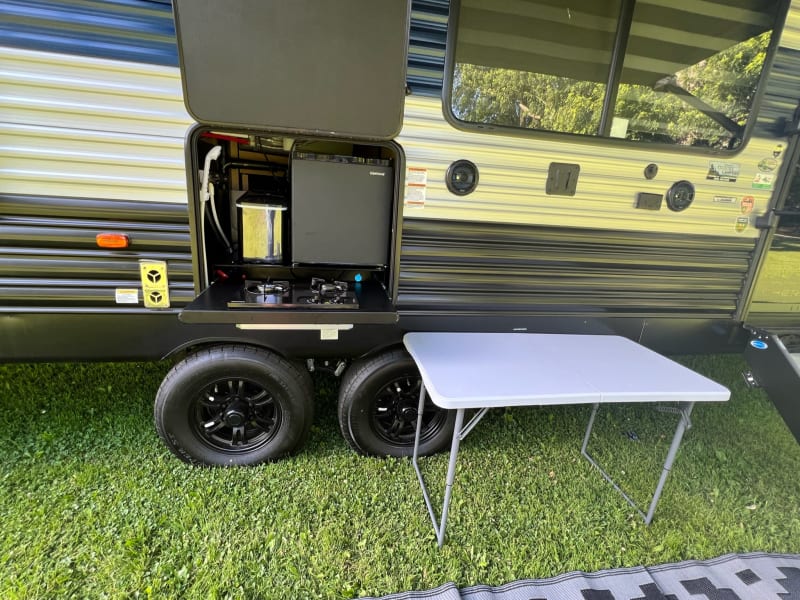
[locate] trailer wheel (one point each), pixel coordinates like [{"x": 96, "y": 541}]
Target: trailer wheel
[
  {"x": 378, "y": 402},
  {"x": 234, "y": 405}
]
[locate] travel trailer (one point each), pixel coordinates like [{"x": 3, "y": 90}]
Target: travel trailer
[{"x": 257, "y": 190}]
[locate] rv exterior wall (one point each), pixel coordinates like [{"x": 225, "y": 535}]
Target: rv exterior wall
[
  {"x": 82, "y": 127},
  {"x": 82, "y": 137}
]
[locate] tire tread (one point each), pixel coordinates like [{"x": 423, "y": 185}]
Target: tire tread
[
  {"x": 358, "y": 376},
  {"x": 229, "y": 352}
]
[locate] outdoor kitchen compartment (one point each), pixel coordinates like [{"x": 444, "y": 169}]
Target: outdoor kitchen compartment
[
  {"x": 323, "y": 254},
  {"x": 293, "y": 172}
]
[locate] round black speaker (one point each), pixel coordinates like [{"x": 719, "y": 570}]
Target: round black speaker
[
  {"x": 680, "y": 195},
  {"x": 462, "y": 177}
]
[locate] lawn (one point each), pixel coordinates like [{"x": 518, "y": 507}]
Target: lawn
[{"x": 92, "y": 505}]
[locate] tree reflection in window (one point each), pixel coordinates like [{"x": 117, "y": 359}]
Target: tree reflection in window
[{"x": 534, "y": 65}]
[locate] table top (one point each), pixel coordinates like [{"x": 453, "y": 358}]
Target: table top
[{"x": 475, "y": 370}]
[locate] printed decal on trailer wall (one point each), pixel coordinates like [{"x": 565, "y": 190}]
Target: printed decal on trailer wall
[
  {"x": 416, "y": 186},
  {"x": 723, "y": 171}
]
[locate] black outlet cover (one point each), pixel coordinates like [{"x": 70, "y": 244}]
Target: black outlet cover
[
  {"x": 562, "y": 179},
  {"x": 649, "y": 201}
]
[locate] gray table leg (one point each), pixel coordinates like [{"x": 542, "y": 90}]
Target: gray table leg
[
  {"x": 459, "y": 433},
  {"x": 420, "y": 409},
  {"x": 451, "y": 469},
  {"x": 595, "y": 406},
  {"x": 683, "y": 423},
  {"x": 431, "y": 512},
  {"x": 451, "y": 473},
  {"x": 685, "y": 411},
  {"x": 594, "y": 463},
  {"x": 438, "y": 528}
]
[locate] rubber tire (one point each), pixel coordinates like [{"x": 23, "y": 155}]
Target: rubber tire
[
  {"x": 291, "y": 388},
  {"x": 358, "y": 389}
]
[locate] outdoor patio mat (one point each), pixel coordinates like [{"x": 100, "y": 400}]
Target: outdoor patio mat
[{"x": 756, "y": 575}]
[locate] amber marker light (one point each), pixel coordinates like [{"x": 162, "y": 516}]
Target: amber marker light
[{"x": 112, "y": 240}]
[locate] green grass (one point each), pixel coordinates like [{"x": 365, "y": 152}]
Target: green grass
[{"x": 91, "y": 504}]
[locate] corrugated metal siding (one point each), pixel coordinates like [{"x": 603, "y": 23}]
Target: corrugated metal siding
[
  {"x": 790, "y": 38},
  {"x": 426, "y": 46},
  {"x": 77, "y": 126},
  {"x": 85, "y": 127},
  {"x": 74, "y": 124},
  {"x": 113, "y": 131},
  {"x": 514, "y": 171},
  {"x": 783, "y": 90},
  {"x": 480, "y": 267},
  {"x": 89, "y": 144},
  {"x": 49, "y": 257},
  {"x": 593, "y": 253},
  {"x": 134, "y": 30},
  {"x": 143, "y": 31}
]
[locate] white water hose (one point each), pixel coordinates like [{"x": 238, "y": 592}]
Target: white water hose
[{"x": 207, "y": 196}]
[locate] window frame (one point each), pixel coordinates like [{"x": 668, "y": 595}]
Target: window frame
[{"x": 625, "y": 19}]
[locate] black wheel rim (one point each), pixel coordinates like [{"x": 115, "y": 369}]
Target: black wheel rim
[
  {"x": 235, "y": 415},
  {"x": 395, "y": 411}
]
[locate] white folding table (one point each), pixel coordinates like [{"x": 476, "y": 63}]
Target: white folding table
[{"x": 481, "y": 371}]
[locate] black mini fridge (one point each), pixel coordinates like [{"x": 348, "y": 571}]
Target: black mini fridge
[{"x": 336, "y": 202}]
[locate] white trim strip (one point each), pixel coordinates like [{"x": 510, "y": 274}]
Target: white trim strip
[{"x": 296, "y": 326}]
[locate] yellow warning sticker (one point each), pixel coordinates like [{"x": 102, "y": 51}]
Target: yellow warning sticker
[{"x": 155, "y": 285}]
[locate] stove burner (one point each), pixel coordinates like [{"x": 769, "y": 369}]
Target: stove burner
[
  {"x": 328, "y": 289},
  {"x": 269, "y": 287},
  {"x": 284, "y": 294},
  {"x": 267, "y": 292}
]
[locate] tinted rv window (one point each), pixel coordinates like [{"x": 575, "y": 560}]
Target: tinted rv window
[{"x": 682, "y": 73}]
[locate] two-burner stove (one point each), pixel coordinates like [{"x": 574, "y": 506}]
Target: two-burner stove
[{"x": 317, "y": 293}]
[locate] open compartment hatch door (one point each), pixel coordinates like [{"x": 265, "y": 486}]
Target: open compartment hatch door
[{"x": 300, "y": 66}]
